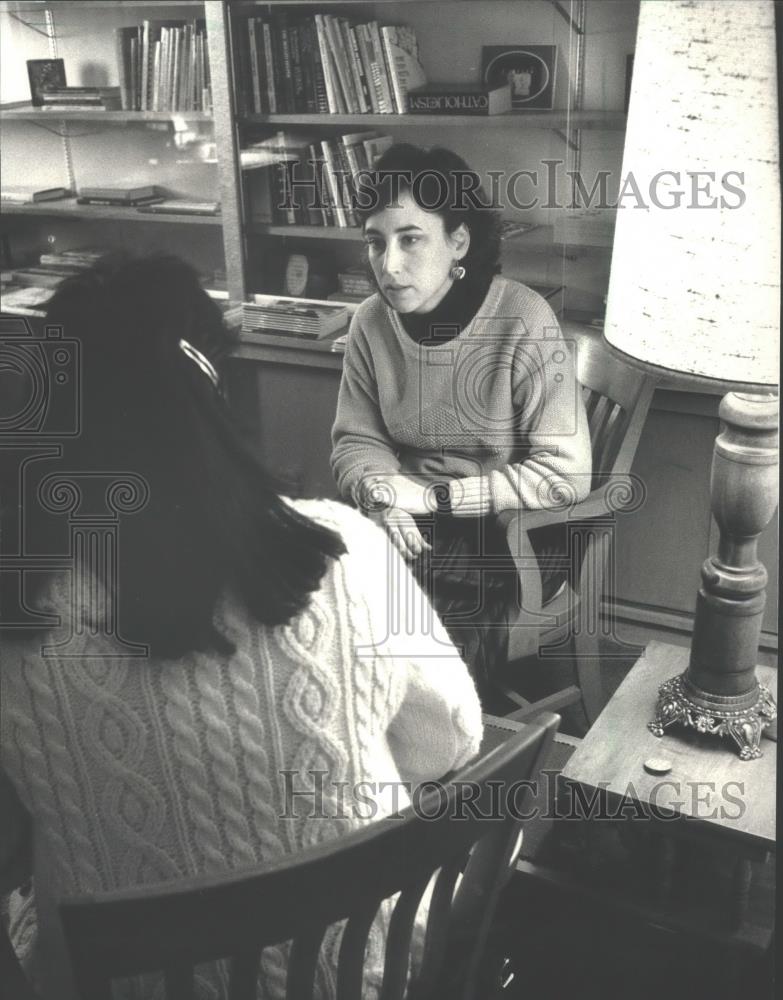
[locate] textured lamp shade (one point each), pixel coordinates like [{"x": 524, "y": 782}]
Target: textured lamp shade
[{"x": 695, "y": 284}]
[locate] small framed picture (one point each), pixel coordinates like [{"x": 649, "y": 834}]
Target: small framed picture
[
  {"x": 529, "y": 69},
  {"x": 44, "y": 74}
]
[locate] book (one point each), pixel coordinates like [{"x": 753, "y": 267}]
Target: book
[
  {"x": 44, "y": 276},
  {"x": 305, "y": 319},
  {"x": 80, "y": 258},
  {"x": 29, "y": 196},
  {"x": 24, "y": 298},
  {"x": 380, "y": 74},
  {"x": 120, "y": 202},
  {"x": 120, "y": 194},
  {"x": 401, "y": 51},
  {"x": 182, "y": 207},
  {"x": 459, "y": 99}
]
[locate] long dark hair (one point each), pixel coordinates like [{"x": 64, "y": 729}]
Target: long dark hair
[
  {"x": 213, "y": 520},
  {"x": 439, "y": 180}
]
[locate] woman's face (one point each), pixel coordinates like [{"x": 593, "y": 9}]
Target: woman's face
[{"x": 411, "y": 254}]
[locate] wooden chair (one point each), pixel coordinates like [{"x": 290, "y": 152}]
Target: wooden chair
[
  {"x": 617, "y": 399},
  {"x": 171, "y": 928}
]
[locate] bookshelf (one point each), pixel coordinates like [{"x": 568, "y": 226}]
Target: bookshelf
[
  {"x": 585, "y": 128},
  {"x": 171, "y": 145},
  {"x": 195, "y": 154}
]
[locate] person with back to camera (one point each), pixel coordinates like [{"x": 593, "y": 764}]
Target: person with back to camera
[
  {"x": 266, "y": 624},
  {"x": 458, "y": 397}
]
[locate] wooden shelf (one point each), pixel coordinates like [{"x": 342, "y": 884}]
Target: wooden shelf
[
  {"x": 67, "y": 208},
  {"x": 31, "y": 7},
  {"x": 613, "y": 121},
  {"x": 22, "y": 111},
  {"x": 539, "y": 238}
]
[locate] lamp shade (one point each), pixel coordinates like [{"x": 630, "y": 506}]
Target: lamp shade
[{"x": 695, "y": 283}]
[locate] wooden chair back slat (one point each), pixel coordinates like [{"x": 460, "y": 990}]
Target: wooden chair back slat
[
  {"x": 244, "y": 974},
  {"x": 210, "y": 918},
  {"x": 350, "y": 964},
  {"x": 436, "y": 937},
  {"x": 398, "y": 941},
  {"x": 302, "y": 964}
]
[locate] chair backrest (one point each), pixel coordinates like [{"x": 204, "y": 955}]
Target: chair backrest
[
  {"x": 617, "y": 398},
  {"x": 171, "y": 928}
]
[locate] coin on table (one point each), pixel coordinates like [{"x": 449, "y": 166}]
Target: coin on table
[{"x": 657, "y": 765}]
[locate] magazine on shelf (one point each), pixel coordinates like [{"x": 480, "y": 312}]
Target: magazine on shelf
[{"x": 293, "y": 316}]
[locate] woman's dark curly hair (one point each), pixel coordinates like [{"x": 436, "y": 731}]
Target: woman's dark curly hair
[{"x": 440, "y": 181}]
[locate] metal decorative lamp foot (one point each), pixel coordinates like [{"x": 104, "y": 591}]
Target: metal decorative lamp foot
[
  {"x": 694, "y": 296},
  {"x": 719, "y": 693}
]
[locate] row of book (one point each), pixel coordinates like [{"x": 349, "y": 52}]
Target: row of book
[
  {"x": 164, "y": 66},
  {"x": 311, "y": 180},
  {"x": 325, "y": 65}
]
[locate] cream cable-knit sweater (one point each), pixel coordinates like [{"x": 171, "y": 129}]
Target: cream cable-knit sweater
[
  {"x": 497, "y": 409},
  {"x": 138, "y": 771}
]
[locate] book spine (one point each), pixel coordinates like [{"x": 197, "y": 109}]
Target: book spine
[
  {"x": 359, "y": 77},
  {"x": 380, "y": 74},
  {"x": 254, "y": 72},
  {"x": 364, "y": 55},
  {"x": 345, "y": 181},
  {"x": 269, "y": 63},
  {"x": 333, "y": 105},
  {"x": 308, "y": 66},
  {"x": 316, "y": 163},
  {"x": 285, "y": 204},
  {"x": 288, "y": 72},
  {"x": 145, "y": 68},
  {"x": 122, "y": 48},
  {"x": 398, "y": 97},
  {"x": 330, "y": 170},
  {"x": 155, "y": 63},
  {"x": 297, "y": 77}
]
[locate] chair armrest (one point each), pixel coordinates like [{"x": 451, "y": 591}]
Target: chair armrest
[{"x": 617, "y": 494}]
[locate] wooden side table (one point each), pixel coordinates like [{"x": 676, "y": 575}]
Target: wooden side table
[{"x": 709, "y": 799}]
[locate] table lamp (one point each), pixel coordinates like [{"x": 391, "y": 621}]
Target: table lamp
[{"x": 694, "y": 295}]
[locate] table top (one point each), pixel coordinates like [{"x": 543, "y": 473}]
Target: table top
[{"x": 708, "y": 783}]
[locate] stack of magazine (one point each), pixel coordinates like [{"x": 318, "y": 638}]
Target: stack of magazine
[{"x": 294, "y": 318}]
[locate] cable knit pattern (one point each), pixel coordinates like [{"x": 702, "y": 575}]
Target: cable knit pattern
[
  {"x": 499, "y": 403},
  {"x": 139, "y": 771}
]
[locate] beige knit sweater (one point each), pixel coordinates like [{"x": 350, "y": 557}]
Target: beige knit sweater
[
  {"x": 137, "y": 771},
  {"x": 497, "y": 408}
]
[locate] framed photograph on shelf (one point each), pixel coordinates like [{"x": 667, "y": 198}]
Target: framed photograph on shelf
[
  {"x": 44, "y": 74},
  {"x": 529, "y": 69}
]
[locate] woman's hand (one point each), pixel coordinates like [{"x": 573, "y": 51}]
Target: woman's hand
[{"x": 403, "y": 532}]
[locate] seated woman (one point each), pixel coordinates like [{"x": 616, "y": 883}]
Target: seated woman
[
  {"x": 457, "y": 386},
  {"x": 244, "y": 635}
]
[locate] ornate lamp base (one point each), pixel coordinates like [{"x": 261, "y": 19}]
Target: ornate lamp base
[{"x": 742, "y": 717}]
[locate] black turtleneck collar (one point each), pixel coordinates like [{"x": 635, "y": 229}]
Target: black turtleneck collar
[{"x": 454, "y": 311}]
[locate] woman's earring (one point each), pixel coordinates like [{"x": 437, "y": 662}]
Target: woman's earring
[{"x": 457, "y": 272}]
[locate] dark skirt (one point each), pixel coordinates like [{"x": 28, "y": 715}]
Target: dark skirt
[{"x": 472, "y": 582}]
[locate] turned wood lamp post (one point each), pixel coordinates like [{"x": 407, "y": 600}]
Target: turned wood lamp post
[{"x": 694, "y": 294}]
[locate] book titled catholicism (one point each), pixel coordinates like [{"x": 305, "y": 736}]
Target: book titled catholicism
[{"x": 459, "y": 99}]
